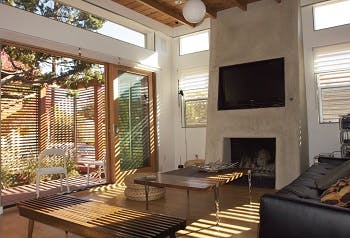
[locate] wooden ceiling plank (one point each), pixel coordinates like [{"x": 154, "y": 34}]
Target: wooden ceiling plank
[
  {"x": 242, "y": 5},
  {"x": 169, "y": 11},
  {"x": 211, "y": 12}
]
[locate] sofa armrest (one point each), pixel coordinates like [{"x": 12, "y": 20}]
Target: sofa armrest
[
  {"x": 330, "y": 159},
  {"x": 296, "y": 218}
]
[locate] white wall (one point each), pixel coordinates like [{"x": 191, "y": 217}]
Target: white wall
[
  {"x": 323, "y": 138},
  {"x": 267, "y": 30},
  {"x": 165, "y": 111},
  {"x": 195, "y": 137}
]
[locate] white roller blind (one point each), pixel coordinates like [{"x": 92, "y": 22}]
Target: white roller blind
[
  {"x": 332, "y": 71},
  {"x": 194, "y": 85}
]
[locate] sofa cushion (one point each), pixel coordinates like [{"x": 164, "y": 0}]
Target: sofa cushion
[
  {"x": 304, "y": 186},
  {"x": 338, "y": 194},
  {"x": 332, "y": 176}
]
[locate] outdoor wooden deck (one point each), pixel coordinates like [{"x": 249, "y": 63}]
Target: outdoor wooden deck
[{"x": 11, "y": 196}]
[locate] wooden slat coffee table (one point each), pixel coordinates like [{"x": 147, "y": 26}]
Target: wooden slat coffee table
[
  {"x": 193, "y": 179},
  {"x": 96, "y": 219}
]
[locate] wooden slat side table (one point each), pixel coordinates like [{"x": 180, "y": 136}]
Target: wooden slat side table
[{"x": 96, "y": 219}]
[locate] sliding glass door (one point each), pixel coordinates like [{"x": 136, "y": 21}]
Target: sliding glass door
[
  {"x": 133, "y": 124},
  {"x": 134, "y": 120}
]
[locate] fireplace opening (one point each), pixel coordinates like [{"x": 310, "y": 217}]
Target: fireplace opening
[{"x": 259, "y": 154}]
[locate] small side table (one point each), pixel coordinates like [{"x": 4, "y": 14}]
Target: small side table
[{"x": 93, "y": 164}]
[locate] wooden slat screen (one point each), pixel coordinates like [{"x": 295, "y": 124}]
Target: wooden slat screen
[
  {"x": 66, "y": 107},
  {"x": 332, "y": 72},
  {"x": 61, "y": 118},
  {"x": 19, "y": 125},
  {"x": 85, "y": 122},
  {"x": 100, "y": 144}
]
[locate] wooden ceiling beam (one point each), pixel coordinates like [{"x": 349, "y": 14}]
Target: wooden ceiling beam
[
  {"x": 210, "y": 11},
  {"x": 167, "y": 10},
  {"x": 242, "y": 5}
]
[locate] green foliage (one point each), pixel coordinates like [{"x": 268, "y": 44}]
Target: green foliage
[
  {"x": 17, "y": 178},
  {"x": 28, "y": 175},
  {"x": 42, "y": 68},
  {"x": 6, "y": 177},
  {"x": 59, "y": 12}
]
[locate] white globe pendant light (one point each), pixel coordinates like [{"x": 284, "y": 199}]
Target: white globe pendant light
[{"x": 194, "y": 11}]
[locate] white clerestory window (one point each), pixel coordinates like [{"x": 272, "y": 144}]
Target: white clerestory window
[
  {"x": 332, "y": 73},
  {"x": 193, "y": 43},
  {"x": 331, "y": 14}
]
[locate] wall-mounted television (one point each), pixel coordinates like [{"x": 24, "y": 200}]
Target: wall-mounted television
[{"x": 257, "y": 84}]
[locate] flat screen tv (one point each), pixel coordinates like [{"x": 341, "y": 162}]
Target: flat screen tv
[{"x": 257, "y": 84}]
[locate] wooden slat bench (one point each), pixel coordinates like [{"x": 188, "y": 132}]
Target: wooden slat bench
[{"x": 95, "y": 219}]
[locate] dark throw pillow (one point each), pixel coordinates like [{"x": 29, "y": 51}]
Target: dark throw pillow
[
  {"x": 338, "y": 194},
  {"x": 330, "y": 178}
]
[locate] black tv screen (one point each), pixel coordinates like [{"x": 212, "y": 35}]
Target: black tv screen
[{"x": 257, "y": 84}]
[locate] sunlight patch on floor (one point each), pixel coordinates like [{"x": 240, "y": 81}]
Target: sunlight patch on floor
[
  {"x": 108, "y": 191},
  {"x": 243, "y": 212},
  {"x": 203, "y": 228},
  {"x": 242, "y": 228}
]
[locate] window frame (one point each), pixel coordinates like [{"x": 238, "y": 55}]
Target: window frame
[
  {"x": 183, "y": 101},
  {"x": 336, "y": 85},
  {"x": 198, "y": 125}
]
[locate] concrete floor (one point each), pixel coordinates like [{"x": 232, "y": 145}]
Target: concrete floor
[{"x": 239, "y": 217}]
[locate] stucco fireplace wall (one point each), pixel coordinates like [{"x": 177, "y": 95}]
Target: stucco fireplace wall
[{"x": 266, "y": 30}]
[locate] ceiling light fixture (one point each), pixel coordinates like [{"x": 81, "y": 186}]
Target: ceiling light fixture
[{"x": 194, "y": 11}]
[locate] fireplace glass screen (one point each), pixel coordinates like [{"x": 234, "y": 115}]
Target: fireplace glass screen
[{"x": 258, "y": 154}]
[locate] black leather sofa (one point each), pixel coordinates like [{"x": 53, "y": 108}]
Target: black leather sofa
[{"x": 295, "y": 211}]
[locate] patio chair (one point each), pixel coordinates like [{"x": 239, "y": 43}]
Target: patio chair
[
  {"x": 97, "y": 163},
  {"x": 51, "y": 154}
]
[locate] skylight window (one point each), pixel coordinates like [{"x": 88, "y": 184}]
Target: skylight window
[
  {"x": 331, "y": 14},
  {"x": 194, "y": 43}
]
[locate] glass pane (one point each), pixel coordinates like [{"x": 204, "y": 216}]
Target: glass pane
[
  {"x": 196, "y": 113},
  {"x": 330, "y": 14},
  {"x": 122, "y": 33},
  {"x": 335, "y": 102},
  {"x": 47, "y": 101},
  {"x": 194, "y": 43},
  {"x": 133, "y": 121},
  {"x": 76, "y": 17}
]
